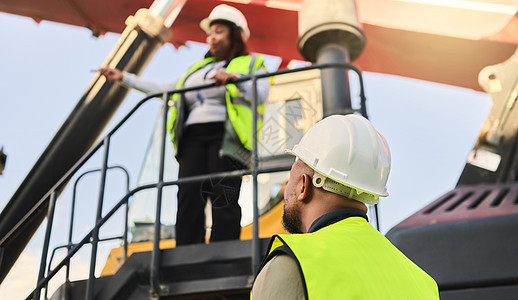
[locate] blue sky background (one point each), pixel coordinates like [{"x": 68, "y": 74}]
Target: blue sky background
[{"x": 45, "y": 68}]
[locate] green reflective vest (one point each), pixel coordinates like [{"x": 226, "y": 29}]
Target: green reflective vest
[
  {"x": 237, "y": 141},
  {"x": 351, "y": 260}
]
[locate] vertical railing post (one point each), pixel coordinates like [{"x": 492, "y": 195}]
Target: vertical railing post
[
  {"x": 363, "y": 99},
  {"x": 71, "y": 230},
  {"x": 155, "y": 257},
  {"x": 45, "y": 251},
  {"x": 95, "y": 234},
  {"x": 376, "y": 216},
  {"x": 363, "y": 112},
  {"x": 256, "y": 249},
  {"x": 126, "y": 217}
]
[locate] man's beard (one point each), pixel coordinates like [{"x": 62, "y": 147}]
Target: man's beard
[{"x": 291, "y": 220}]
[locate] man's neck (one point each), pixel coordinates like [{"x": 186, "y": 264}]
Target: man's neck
[
  {"x": 327, "y": 203},
  {"x": 335, "y": 216}
]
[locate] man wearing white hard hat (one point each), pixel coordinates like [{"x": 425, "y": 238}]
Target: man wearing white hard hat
[
  {"x": 211, "y": 129},
  {"x": 342, "y": 163}
]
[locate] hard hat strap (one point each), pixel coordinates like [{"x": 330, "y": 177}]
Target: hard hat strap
[{"x": 330, "y": 185}]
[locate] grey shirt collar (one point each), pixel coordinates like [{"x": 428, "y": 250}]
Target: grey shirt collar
[{"x": 335, "y": 216}]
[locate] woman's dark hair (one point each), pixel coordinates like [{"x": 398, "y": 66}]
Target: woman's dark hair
[{"x": 237, "y": 44}]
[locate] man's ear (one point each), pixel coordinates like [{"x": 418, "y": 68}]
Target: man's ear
[{"x": 305, "y": 188}]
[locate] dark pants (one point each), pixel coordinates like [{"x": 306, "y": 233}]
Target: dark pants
[{"x": 198, "y": 155}]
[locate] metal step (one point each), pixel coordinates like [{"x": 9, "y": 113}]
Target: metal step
[{"x": 219, "y": 270}]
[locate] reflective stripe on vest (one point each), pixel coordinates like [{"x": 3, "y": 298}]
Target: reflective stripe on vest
[
  {"x": 239, "y": 112},
  {"x": 351, "y": 260}
]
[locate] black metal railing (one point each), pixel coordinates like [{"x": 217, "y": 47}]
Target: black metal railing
[
  {"x": 70, "y": 244},
  {"x": 92, "y": 237}
]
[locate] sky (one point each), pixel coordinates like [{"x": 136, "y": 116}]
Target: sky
[{"x": 45, "y": 68}]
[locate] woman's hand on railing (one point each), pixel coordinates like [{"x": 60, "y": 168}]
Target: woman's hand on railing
[
  {"x": 111, "y": 74},
  {"x": 223, "y": 77}
]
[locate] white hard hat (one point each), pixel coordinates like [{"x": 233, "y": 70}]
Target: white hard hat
[
  {"x": 226, "y": 13},
  {"x": 349, "y": 151}
]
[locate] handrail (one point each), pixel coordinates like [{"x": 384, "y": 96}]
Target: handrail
[
  {"x": 50, "y": 219},
  {"x": 255, "y": 170},
  {"x": 68, "y": 246},
  {"x": 155, "y": 256},
  {"x": 132, "y": 192},
  {"x": 71, "y": 226},
  {"x": 255, "y": 165},
  {"x": 117, "y": 237},
  {"x": 363, "y": 108},
  {"x": 150, "y": 96},
  {"x": 72, "y": 212},
  {"x": 95, "y": 235},
  {"x": 12, "y": 233}
]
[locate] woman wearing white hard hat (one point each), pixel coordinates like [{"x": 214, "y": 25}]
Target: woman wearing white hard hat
[{"x": 211, "y": 128}]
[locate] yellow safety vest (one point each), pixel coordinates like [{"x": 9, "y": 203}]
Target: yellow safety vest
[
  {"x": 351, "y": 260},
  {"x": 239, "y": 112}
]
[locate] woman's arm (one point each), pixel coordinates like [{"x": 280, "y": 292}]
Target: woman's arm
[
  {"x": 133, "y": 81},
  {"x": 263, "y": 85}
]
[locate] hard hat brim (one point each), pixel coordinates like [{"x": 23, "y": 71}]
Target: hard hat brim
[
  {"x": 290, "y": 152},
  {"x": 205, "y": 26}
]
